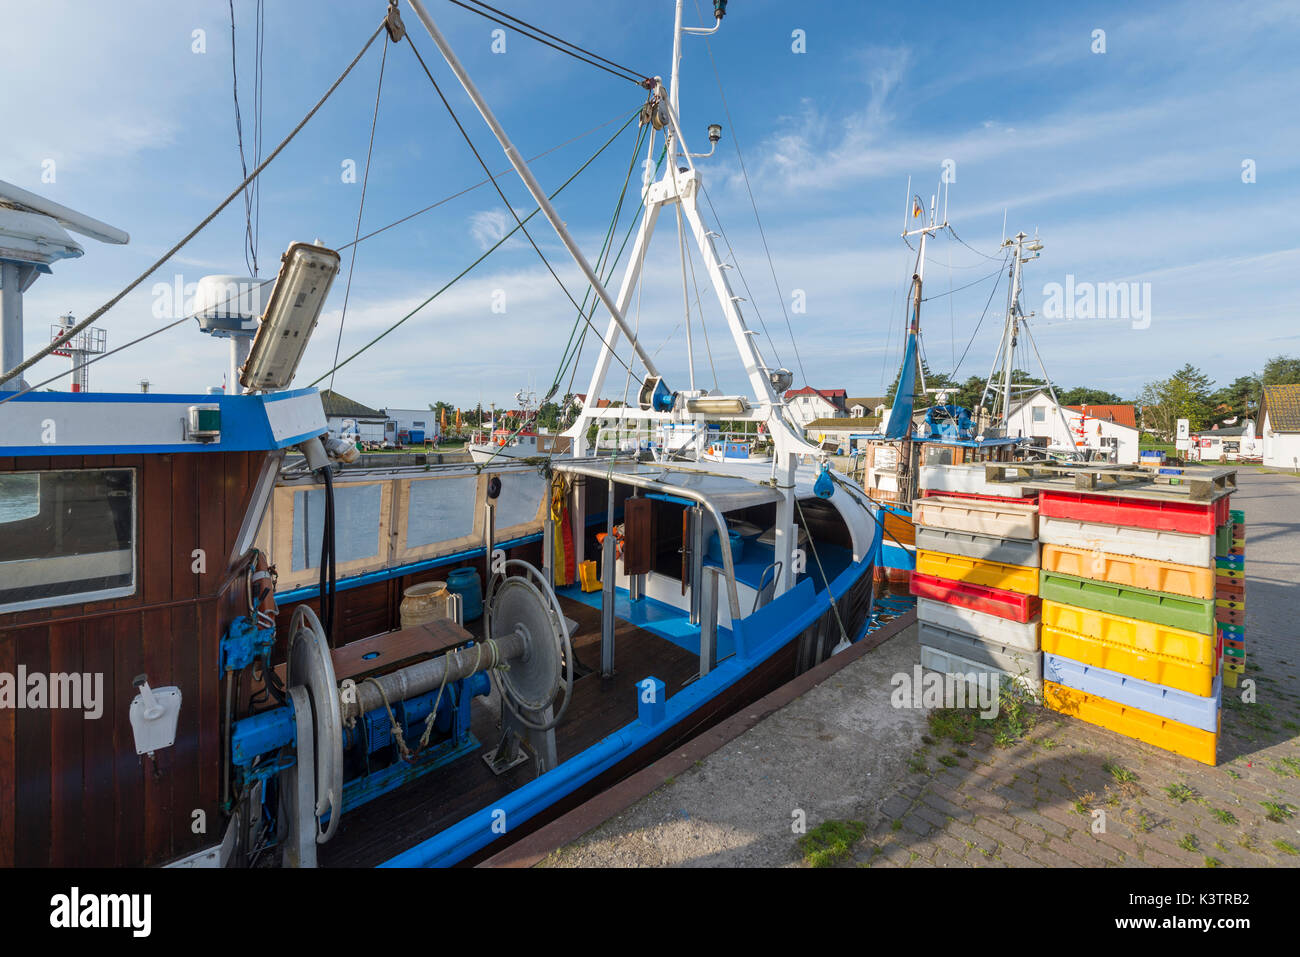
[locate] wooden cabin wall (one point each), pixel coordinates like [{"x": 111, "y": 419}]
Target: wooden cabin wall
[{"x": 72, "y": 790}]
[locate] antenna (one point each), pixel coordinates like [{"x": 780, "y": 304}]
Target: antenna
[{"x": 907, "y": 204}]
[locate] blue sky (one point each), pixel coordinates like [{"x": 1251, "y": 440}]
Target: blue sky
[{"x": 1128, "y": 163}]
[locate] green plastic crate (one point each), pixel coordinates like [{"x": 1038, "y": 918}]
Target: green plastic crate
[{"x": 1176, "y": 611}]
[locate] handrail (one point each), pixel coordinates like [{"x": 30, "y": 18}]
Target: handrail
[{"x": 643, "y": 482}]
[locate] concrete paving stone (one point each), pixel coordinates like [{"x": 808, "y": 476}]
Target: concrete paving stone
[
  {"x": 966, "y": 833},
  {"x": 936, "y": 818},
  {"x": 1001, "y": 833},
  {"x": 1075, "y": 852}
]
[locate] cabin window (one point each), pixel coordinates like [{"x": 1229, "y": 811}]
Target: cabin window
[
  {"x": 440, "y": 510},
  {"x": 66, "y": 537},
  {"x": 1040, "y": 414},
  {"x": 357, "y": 513}
]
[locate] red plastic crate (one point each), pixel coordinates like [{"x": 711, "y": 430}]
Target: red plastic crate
[
  {"x": 1229, "y": 589},
  {"x": 1223, "y": 510},
  {"x": 1134, "y": 512},
  {"x": 1225, "y": 616},
  {"x": 994, "y": 601},
  {"x": 1001, "y": 499}
]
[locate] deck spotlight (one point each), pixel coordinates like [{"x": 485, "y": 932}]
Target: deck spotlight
[{"x": 307, "y": 271}]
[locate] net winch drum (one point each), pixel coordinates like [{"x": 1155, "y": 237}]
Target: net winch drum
[{"x": 311, "y": 664}]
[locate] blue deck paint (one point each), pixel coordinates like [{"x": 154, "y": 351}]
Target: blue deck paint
[
  {"x": 658, "y": 618},
  {"x": 756, "y": 638}
]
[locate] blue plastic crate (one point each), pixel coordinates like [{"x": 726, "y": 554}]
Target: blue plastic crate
[{"x": 1159, "y": 700}]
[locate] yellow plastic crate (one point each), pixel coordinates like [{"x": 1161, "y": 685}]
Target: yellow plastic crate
[
  {"x": 1017, "y": 578},
  {"x": 1142, "y": 649},
  {"x": 1194, "y": 743},
  {"x": 1130, "y": 572}
]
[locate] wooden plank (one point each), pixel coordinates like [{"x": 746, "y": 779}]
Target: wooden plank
[
  {"x": 185, "y": 525},
  {"x": 32, "y": 753},
  {"x": 155, "y": 510},
  {"x": 160, "y": 771},
  {"x": 67, "y": 731},
  {"x": 99, "y": 825},
  {"x": 128, "y": 771},
  {"x": 208, "y": 706},
  {"x": 236, "y": 495},
  {"x": 185, "y": 668},
  {"x": 210, "y": 496},
  {"x": 8, "y": 803}
]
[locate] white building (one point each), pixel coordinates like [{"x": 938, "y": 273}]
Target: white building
[
  {"x": 1110, "y": 427},
  {"x": 339, "y": 409},
  {"x": 1226, "y": 443},
  {"x": 1280, "y": 415},
  {"x": 865, "y": 407},
  {"x": 807, "y": 405},
  {"x": 408, "y": 421}
]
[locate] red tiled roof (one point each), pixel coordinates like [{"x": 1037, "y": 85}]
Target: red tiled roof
[
  {"x": 1119, "y": 414},
  {"x": 824, "y": 393}
]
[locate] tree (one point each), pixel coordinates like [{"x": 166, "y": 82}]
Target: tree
[
  {"x": 933, "y": 380},
  {"x": 1083, "y": 395},
  {"x": 1184, "y": 395},
  {"x": 1280, "y": 370},
  {"x": 548, "y": 415},
  {"x": 1241, "y": 398}
]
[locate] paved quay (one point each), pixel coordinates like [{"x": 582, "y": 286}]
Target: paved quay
[{"x": 914, "y": 788}]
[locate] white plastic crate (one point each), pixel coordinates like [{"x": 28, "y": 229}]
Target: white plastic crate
[
  {"x": 1180, "y": 547},
  {"x": 1013, "y": 634},
  {"x": 1009, "y": 519},
  {"x": 968, "y": 479},
  {"x": 948, "y": 663}
]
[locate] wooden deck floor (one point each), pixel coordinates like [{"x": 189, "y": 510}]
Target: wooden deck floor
[{"x": 376, "y": 831}]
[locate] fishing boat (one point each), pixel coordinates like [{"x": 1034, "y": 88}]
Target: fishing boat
[
  {"x": 222, "y": 647},
  {"x": 889, "y": 463}
]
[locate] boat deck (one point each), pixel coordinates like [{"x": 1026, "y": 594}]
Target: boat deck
[{"x": 373, "y": 833}]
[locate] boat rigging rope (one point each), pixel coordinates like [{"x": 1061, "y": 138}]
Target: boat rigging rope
[
  {"x": 699, "y": 308},
  {"x": 992, "y": 293},
  {"x": 603, "y": 261},
  {"x": 94, "y": 316},
  {"x": 822, "y": 571},
  {"x": 585, "y": 56},
  {"x": 940, "y": 295},
  {"x": 460, "y": 275},
  {"x": 253, "y": 198},
  {"x": 970, "y": 247},
  {"x": 735, "y": 139},
  {"x": 398, "y": 222},
  {"x": 365, "y": 182},
  {"x": 631, "y": 227},
  {"x": 735, "y": 263},
  {"x": 470, "y": 143}
]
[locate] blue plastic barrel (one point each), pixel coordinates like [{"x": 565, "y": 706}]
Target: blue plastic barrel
[
  {"x": 713, "y": 550},
  {"x": 464, "y": 582}
]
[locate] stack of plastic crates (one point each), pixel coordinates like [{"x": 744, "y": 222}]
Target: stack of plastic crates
[{"x": 976, "y": 578}]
